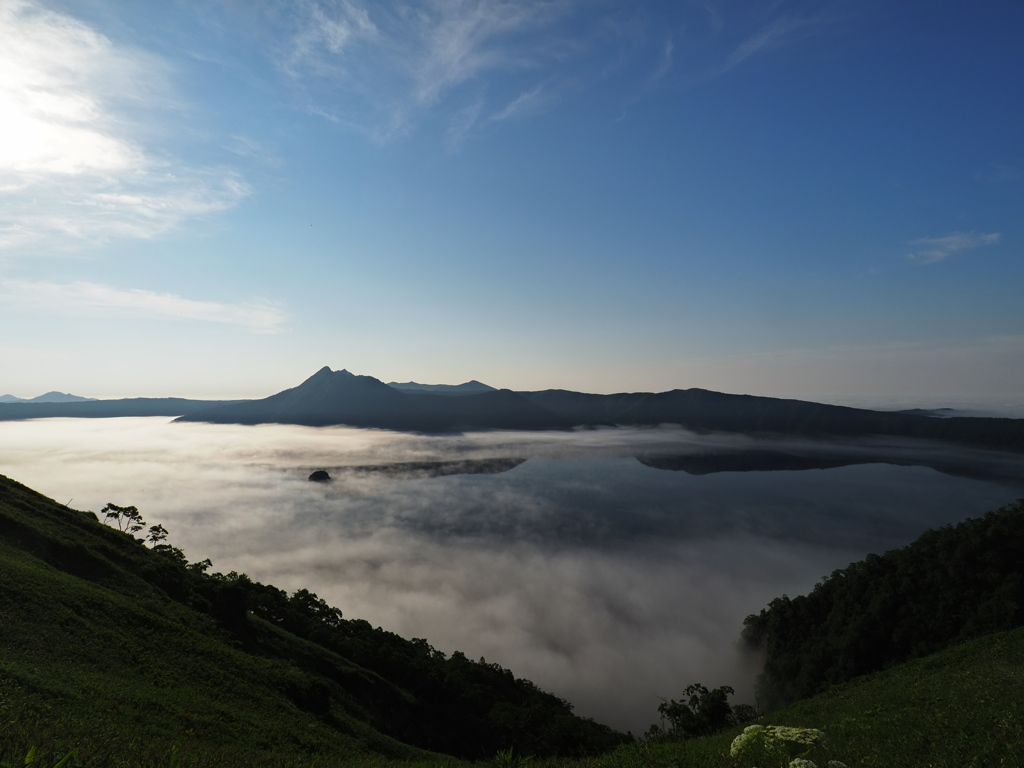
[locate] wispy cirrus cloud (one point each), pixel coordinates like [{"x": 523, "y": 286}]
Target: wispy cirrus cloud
[
  {"x": 525, "y": 103},
  {"x": 1002, "y": 173},
  {"x": 387, "y": 68},
  {"x": 929, "y": 250},
  {"x": 665, "y": 62},
  {"x": 395, "y": 65},
  {"x": 94, "y": 298},
  {"x": 778, "y": 31},
  {"x": 471, "y": 117},
  {"x": 72, "y": 169}
]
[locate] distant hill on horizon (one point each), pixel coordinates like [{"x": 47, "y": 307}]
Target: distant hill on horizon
[
  {"x": 467, "y": 388},
  {"x": 49, "y": 397}
]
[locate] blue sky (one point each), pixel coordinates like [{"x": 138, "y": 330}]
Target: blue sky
[{"x": 214, "y": 199}]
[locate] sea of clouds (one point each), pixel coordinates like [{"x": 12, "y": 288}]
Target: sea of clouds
[{"x": 610, "y": 583}]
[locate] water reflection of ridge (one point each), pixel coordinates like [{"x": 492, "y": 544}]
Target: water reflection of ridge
[
  {"x": 707, "y": 463},
  {"x": 415, "y": 469}
]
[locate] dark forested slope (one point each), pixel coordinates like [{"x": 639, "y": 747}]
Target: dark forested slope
[{"x": 951, "y": 584}]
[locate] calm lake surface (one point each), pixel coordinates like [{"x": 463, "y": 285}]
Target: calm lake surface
[{"x": 563, "y": 555}]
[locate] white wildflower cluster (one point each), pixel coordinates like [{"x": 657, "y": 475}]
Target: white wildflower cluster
[{"x": 778, "y": 743}]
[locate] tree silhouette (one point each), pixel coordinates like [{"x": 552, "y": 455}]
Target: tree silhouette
[
  {"x": 128, "y": 519},
  {"x": 157, "y": 533},
  {"x": 702, "y": 713}
]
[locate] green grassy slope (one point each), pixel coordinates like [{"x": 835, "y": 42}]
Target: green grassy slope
[
  {"x": 95, "y": 657},
  {"x": 960, "y": 708}
]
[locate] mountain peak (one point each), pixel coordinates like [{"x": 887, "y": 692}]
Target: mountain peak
[{"x": 326, "y": 371}]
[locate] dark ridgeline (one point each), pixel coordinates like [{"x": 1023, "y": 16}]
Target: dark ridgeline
[
  {"x": 750, "y": 461},
  {"x": 817, "y": 454},
  {"x": 409, "y": 469},
  {"x": 703, "y": 410},
  {"x": 468, "y": 388},
  {"x": 105, "y": 409},
  {"x": 339, "y": 397}
]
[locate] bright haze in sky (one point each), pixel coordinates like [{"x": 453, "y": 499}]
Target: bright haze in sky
[{"x": 800, "y": 198}]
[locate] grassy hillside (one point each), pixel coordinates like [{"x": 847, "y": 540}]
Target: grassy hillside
[
  {"x": 121, "y": 652},
  {"x": 959, "y": 708},
  {"x": 98, "y": 659}
]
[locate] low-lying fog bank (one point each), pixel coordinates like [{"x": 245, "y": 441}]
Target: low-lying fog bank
[{"x": 606, "y": 581}]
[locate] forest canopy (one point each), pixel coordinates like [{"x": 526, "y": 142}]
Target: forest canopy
[{"x": 951, "y": 584}]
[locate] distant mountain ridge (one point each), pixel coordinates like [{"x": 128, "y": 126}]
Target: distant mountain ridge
[
  {"x": 105, "y": 409},
  {"x": 343, "y": 398},
  {"x": 340, "y": 397}
]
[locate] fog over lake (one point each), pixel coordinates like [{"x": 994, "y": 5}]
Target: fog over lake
[{"x": 606, "y": 581}]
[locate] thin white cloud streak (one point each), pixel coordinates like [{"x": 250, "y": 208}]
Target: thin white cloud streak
[
  {"x": 462, "y": 122},
  {"x": 246, "y": 146},
  {"x": 770, "y": 36},
  {"x": 524, "y": 103},
  {"x": 1002, "y": 173},
  {"x": 85, "y": 297},
  {"x": 71, "y": 171},
  {"x": 933, "y": 249},
  {"x": 739, "y": 34},
  {"x": 665, "y": 64},
  {"x": 467, "y": 120},
  {"x": 763, "y": 39}
]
